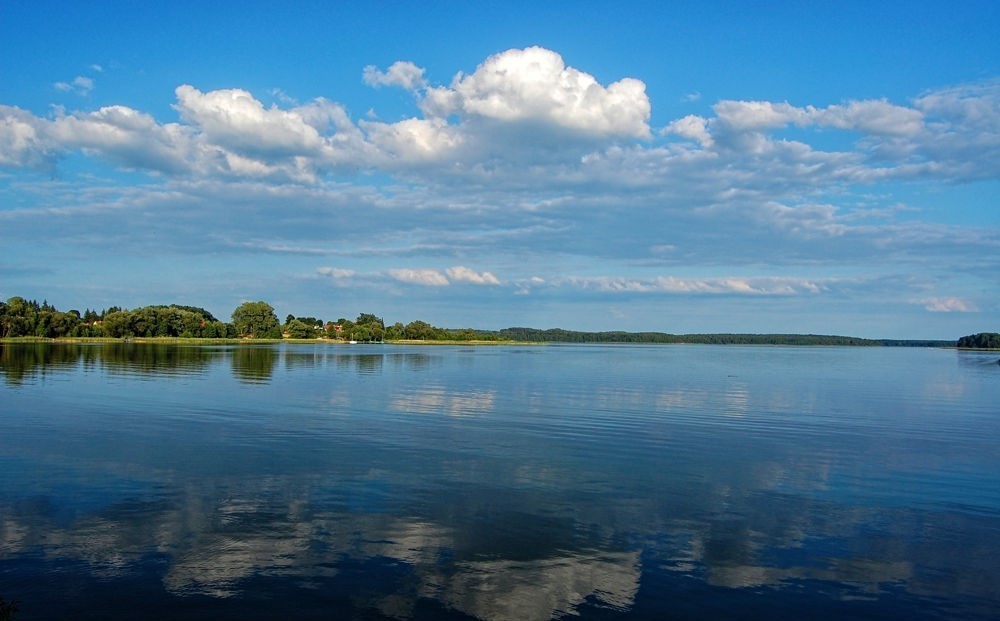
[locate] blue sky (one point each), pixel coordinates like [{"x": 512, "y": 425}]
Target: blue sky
[{"x": 680, "y": 167}]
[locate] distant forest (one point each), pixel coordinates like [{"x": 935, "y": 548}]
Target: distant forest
[
  {"x": 557, "y": 335},
  {"x": 27, "y": 318},
  {"x": 983, "y": 340}
]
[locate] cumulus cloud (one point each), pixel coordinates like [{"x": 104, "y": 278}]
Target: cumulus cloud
[
  {"x": 692, "y": 127},
  {"x": 460, "y": 273},
  {"x": 877, "y": 117},
  {"x": 412, "y": 140},
  {"x": 452, "y": 275},
  {"x": 126, "y": 136},
  {"x": 525, "y": 119},
  {"x": 429, "y": 278},
  {"x": 870, "y": 117},
  {"x": 535, "y": 85},
  {"x": 401, "y": 73},
  {"x": 22, "y": 139},
  {"x": 233, "y": 119}
]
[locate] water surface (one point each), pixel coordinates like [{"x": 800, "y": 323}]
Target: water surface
[{"x": 498, "y": 483}]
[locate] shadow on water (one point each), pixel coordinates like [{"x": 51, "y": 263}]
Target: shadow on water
[
  {"x": 984, "y": 360},
  {"x": 7, "y": 609}
]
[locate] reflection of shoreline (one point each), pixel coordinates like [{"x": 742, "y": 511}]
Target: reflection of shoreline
[
  {"x": 490, "y": 489},
  {"x": 21, "y": 362},
  {"x": 253, "y": 363}
]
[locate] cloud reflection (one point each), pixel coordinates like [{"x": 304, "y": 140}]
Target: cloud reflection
[{"x": 440, "y": 400}]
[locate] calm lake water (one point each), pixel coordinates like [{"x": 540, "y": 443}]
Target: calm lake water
[{"x": 499, "y": 483}]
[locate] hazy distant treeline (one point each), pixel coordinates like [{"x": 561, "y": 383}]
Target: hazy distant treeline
[{"x": 557, "y": 335}]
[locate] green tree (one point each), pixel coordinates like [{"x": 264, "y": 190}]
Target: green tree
[
  {"x": 395, "y": 331},
  {"x": 420, "y": 330},
  {"x": 116, "y": 324},
  {"x": 256, "y": 320},
  {"x": 19, "y": 318},
  {"x": 369, "y": 318},
  {"x": 982, "y": 340},
  {"x": 296, "y": 329},
  {"x": 368, "y": 327}
]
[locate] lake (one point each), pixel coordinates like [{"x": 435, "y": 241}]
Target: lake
[{"x": 506, "y": 483}]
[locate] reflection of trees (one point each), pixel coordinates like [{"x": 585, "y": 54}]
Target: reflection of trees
[
  {"x": 254, "y": 364},
  {"x": 373, "y": 363},
  {"x": 155, "y": 359},
  {"x": 367, "y": 363},
  {"x": 19, "y": 361}
]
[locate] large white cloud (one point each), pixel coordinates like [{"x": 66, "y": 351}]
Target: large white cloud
[
  {"x": 411, "y": 141},
  {"x": 22, "y": 138},
  {"x": 517, "y": 122},
  {"x": 535, "y": 85},
  {"x": 233, "y": 119},
  {"x": 130, "y": 138}
]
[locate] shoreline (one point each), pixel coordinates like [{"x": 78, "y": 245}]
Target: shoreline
[{"x": 171, "y": 340}]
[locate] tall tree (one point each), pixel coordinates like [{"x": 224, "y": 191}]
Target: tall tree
[{"x": 256, "y": 320}]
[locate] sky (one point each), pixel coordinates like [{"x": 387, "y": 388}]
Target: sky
[{"x": 682, "y": 167}]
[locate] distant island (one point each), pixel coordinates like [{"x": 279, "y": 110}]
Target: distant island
[{"x": 21, "y": 318}]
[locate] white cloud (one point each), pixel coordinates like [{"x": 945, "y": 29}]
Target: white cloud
[
  {"x": 803, "y": 221},
  {"x": 948, "y": 305},
  {"x": 22, "y": 140},
  {"x": 429, "y": 278},
  {"x": 877, "y": 117},
  {"x": 234, "y": 120},
  {"x": 534, "y": 85},
  {"x": 525, "y": 120},
  {"x": 460, "y": 273},
  {"x": 670, "y": 284},
  {"x": 692, "y": 127},
  {"x": 81, "y": 85},
  {"x": 126, "y": 136},
  {"x": 411, "y": 140},
  {"x": 335, "y": 272},
  {"x": 744, "y": 116},
  {"x": 401, "y": 73}
]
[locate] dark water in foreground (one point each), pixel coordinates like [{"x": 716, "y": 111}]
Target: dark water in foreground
[{"x": 499, "y": 483}]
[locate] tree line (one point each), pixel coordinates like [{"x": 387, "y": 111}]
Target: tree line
[
  {"x": 255, "y": 320},
  {"x": 983, "y": 340},
  {"x": 558, "y": 335}
]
